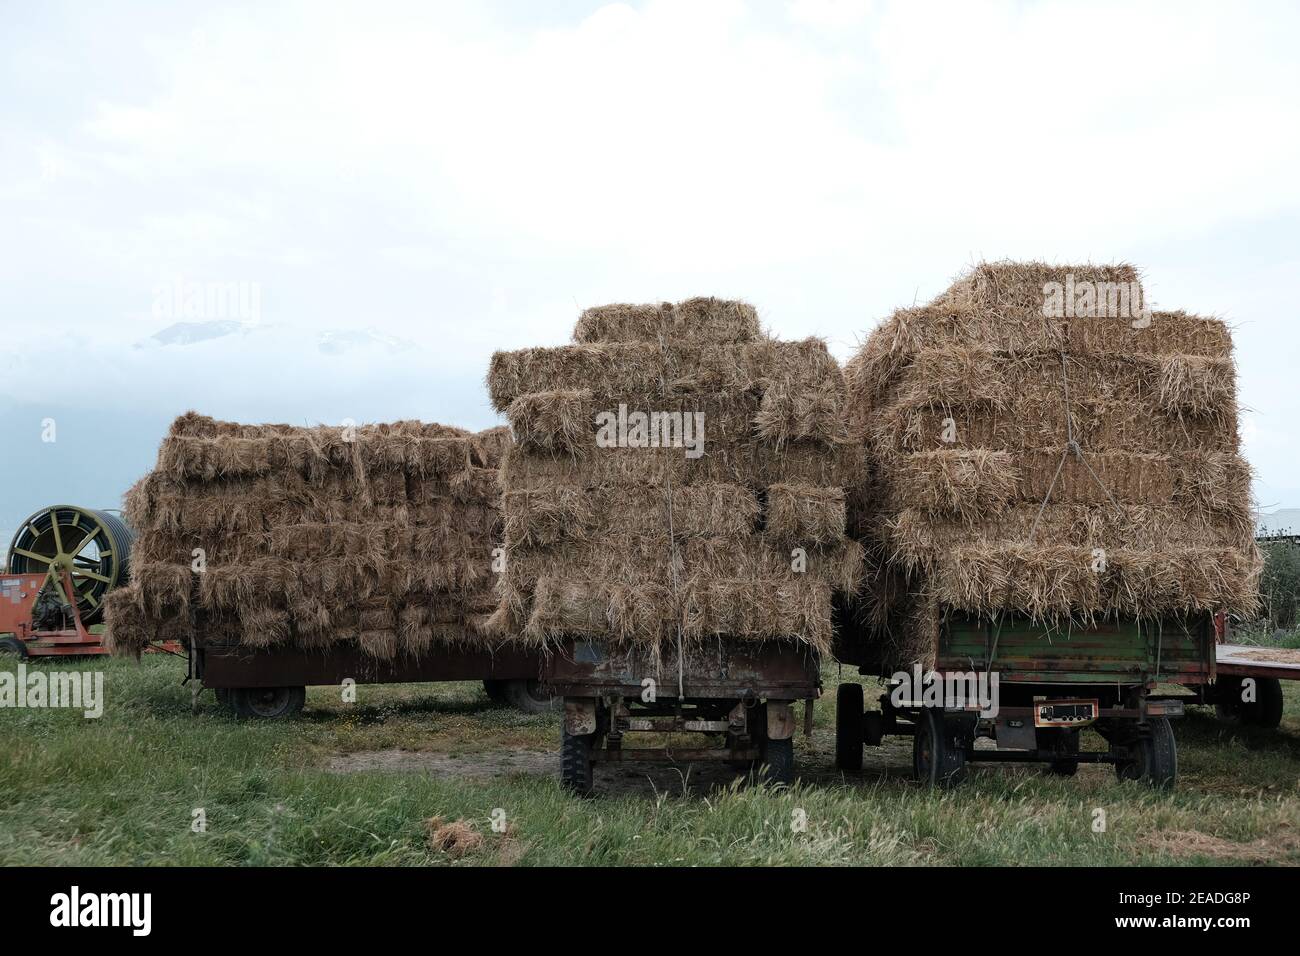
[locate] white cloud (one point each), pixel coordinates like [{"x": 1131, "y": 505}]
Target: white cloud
[
  {"x": 467, "y": 176},
  {"x": 829, "y": 14}
]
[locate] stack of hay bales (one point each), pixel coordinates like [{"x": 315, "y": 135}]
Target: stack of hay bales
[
  {"x": 977, "y": 502},
  {"x": 618, "y": 527},
  {"x": 378, "y": 534}
]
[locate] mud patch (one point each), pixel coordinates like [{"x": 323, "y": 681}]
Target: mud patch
[
  {"x": 485, "y": 765},
  {"x": 636, "y": 779}
]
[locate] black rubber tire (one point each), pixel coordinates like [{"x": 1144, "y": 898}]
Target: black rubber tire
[
  {"x": 575, "y": 762},
  {"x": 873, "y": 728},
  {"x": 11, "y": 645},
  {"x": 778, "y": 762},
  {"x": 938, "y": 759},
  {"x": 1064, "y": 766},
  {"x": 526, "y": 694},
  {"x": 223, "y": 697},
  {"x": 1264, "y": 712},
  {"x": 1155, "y": 760},
  {"x": 848, "y": 727},
  {"x": 1270, "y": 703},
  {"x": 268, "y": 703},
  {"x": 496, "y": 691}
]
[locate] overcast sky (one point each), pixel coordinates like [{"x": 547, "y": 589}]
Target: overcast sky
[{"x": 396, "y": 190}]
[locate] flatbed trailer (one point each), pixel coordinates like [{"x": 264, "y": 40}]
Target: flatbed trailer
[
  {"x": 271, "y": 683},
  {"x": 741, "y": 692},
  {"x": 1247, "y": 687},
  {"x": 1247, "y": 660},
  {"x": 1052, "y": 682}
]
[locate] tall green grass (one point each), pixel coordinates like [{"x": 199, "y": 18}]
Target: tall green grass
[{"x": 123, "y": 789}]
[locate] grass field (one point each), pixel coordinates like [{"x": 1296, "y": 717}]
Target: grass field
[{"x": 355, "y": 783}]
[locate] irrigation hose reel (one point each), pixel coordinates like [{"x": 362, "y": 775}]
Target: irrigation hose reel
[{"x": 93, "y": 547}]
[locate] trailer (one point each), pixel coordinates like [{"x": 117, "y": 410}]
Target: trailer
[
  {"x": 1047, "y": 684},
  {"x": 271, "y": 683},
  {"x": 1247, "y": 687},
  {"x": 740, "y": 695}
]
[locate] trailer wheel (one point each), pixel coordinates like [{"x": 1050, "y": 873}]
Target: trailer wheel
[
  {"x": 778, "y": 762},
  {"x": 496, "y": 691},
  {"x": 223, "y": 697},
  {"x": 873, "y": 728},
  {"x": 848, "y": 727},
  {"x": 1063, "y": 768},
  {"x": 1155, "y": 757},
  {"x": 1063, "y": 743},
  {"x": 575, "y": 762},
  {"x": 268, "y": 703},
  {"x": 528, "y": 695},
  {"x": 1264, "y": 711},
  {"x": 938, "y": 758},
  {"x": 11, "y": 645}
]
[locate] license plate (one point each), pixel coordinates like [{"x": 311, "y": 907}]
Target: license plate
[{"x": 1065, "y": 713}]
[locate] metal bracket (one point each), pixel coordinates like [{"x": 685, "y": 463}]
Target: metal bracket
[
  {"x": 579, "y": 717},
  {"x": 780, "y": 720}
]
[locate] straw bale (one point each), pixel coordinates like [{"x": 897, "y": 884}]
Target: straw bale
[
  {"x": 973, "y": 498},
  {"x": 805, "y": 515},
  {"x": 540, "y": 518},
  {"x": 967, "y": 483},
  {"x": 559, "y": 422},
  {"x": 640, "y": 543},
  {"x": 715, "y": 320},
  {"x": 644, "y": 373},
  {"x": 298, "y": 527}
]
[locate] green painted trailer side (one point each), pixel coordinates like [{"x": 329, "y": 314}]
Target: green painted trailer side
[{"x": 1177, "y": 650}]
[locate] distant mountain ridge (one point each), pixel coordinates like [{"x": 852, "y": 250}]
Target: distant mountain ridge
[
  {"x": 328, "y": 342},
  {"x": 187, "y": 333}
]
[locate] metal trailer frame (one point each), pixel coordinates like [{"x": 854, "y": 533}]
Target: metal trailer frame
[
  {"x": 1232, "y": 663},
  {"x": 270, "y": 683},
  {"x": 1052, "y": 684},
  {"x": 739, "y": 690},
  {"x": 1245, "y": 689},
  {"x": 1247, "y": 686}
]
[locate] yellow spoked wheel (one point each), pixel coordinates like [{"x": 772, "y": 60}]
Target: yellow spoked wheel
[{"x": 94, "y": 547}]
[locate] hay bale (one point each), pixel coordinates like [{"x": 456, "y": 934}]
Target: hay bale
[
  {"x": 974, "y": 499},
  {"x": 652, "y": 539},
  {"x": 382, "y": 536},
  {"x": 805, "y": 515},
  {"x": 966, "y": 483},
  {"x": 559, "y": 421},
  {"x": 641, "y": 374},
  {"x": 716, "y": 320}
]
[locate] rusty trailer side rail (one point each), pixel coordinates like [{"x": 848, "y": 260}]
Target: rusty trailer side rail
[{"x": 741, "y": 692}]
